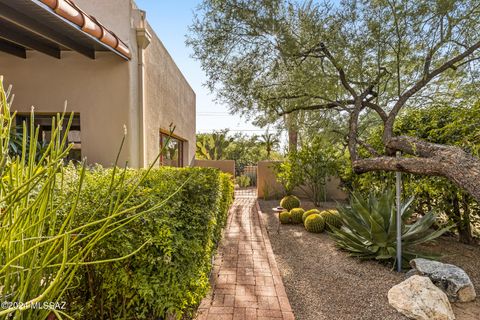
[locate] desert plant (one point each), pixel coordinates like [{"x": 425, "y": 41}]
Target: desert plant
[
  {"x": 297, "y": 214},
  {"x": 308, "y": 213},
  {"x": 315, "y": 223},
  {"x": 243, "y": 181},
  {"x": 369, "y": 228},
  {"x": 290, "y": 202},
  {"x": 212, "y": 146},
  {"x": 285, "y": 217},
  {"x": 332, "y": 218}
]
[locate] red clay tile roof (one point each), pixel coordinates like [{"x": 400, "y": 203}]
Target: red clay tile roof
[{"x": 70, "y": 11}]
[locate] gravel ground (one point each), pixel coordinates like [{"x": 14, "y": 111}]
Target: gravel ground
[{"x": 323, "y": 282}]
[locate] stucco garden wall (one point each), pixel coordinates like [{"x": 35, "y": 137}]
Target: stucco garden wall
[
  {"x": 227, "y": 166},
  {"x": 269, "y": 188}
]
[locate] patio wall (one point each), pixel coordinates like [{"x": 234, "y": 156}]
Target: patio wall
[
  {"x": 269, "y": 187},
  {"x": 227, "y": 166}
]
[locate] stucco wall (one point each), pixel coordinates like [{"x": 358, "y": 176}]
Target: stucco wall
[
  {"x": 119, "y": 17},
  {"x": 269, "y": 187},
  {"x": 169, "y": 100},
  {"x": 227, "y": 166},
  {"x": 114, "y": 14},
  {"x": 97, "y": 89},
  {"x": 105, "y": 91}
]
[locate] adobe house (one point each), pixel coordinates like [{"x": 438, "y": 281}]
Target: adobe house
[{"x": 106, "y": 61}]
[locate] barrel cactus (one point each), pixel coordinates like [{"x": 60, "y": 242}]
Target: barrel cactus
[
  {"x": 309, "y": 212},
  {"x": 332, "y": 218},
  {"x": 297, "y": 214},
  {"x": 315, "y": 223},
  {"x": 285, "y": 217},
  {"x": 290, "y": 202}
]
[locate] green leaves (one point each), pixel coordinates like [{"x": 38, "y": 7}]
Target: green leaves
[
  {"x": 308, "y": 169},
  {"x": 169, "y": 276},
  {"x": 369, "y": 228}
]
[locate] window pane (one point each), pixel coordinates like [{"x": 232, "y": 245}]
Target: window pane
[
  {"x": 172, "y": 151},
  {"x": 44, "y": 123}
]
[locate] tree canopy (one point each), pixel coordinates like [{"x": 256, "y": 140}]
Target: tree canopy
[{"x": 363, "y": 59}]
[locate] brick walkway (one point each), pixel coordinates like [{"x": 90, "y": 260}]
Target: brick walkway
[{"x": 246, "y": 282}]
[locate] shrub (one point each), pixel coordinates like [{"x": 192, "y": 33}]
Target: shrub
[
  {"x": 308, "y": 169},
  {"x": 285, "y": 217},
  {"x": 169, "y": 276},
  {"x": 288, "y": 173},
  {"x": 332, "y": 218},
  {"x": 315, "y": 223},
  {"x": 297, "y": 214},
  {"x": 309, "y": 212},
  {"x": 243, "y": 181},
  {"x": 290, "y": 202},
  {"x": 369, "y": 227}
]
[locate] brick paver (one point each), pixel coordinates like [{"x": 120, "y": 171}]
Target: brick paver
[{"x": 246, "y": 283}]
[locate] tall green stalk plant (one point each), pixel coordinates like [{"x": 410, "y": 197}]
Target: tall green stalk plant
[{"x": 41, "y": 250}]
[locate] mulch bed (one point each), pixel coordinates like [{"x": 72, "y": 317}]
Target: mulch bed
[{"x": 323, "y": 282}]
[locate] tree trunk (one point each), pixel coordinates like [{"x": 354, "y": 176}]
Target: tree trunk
[
  {"x": 292, "y": 128},
  {"x": 465, "y": 229},
  {"x": 430, "y": 159},
  {"x": 292, "y": 140}
]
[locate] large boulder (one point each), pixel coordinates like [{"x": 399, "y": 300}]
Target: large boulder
[
  {"x": 418, "y": 298},
  {"x": 451, "y": 279}
]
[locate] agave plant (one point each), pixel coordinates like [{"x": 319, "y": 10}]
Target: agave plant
[{"x": 369, "y": 228}]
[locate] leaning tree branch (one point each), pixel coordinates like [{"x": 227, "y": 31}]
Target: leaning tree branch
[
  {"x": 410, "y": 165},
  {"x": 420, "y": 148},
  {"x": 427, "y": 158}
]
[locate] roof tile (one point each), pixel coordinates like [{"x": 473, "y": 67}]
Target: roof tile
[{"x": 70, "y": 11}]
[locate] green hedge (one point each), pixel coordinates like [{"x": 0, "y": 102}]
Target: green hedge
[{"x": 170, "y": 275}]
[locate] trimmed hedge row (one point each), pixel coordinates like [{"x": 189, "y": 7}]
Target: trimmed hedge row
[{"x": 170, "y": 275}]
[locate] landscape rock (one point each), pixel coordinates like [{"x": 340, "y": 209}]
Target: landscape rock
[
  {"x": 453, "y": 280},
  {"x": 418, "y": 298}
]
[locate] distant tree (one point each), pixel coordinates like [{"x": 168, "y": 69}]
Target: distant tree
[
  {"x": 270, "y": 141},
  {"x": 221, "y": 145},
  {"x": 212, "y": 146},
  {"x": 366, "y": 59}
]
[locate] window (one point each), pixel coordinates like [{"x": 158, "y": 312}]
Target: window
[
  {"x": 172, "y": 154},
  {"x": 44, "y": 122}
]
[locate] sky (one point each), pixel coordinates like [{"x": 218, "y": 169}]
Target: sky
[{"x": 170, "y": 20}]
